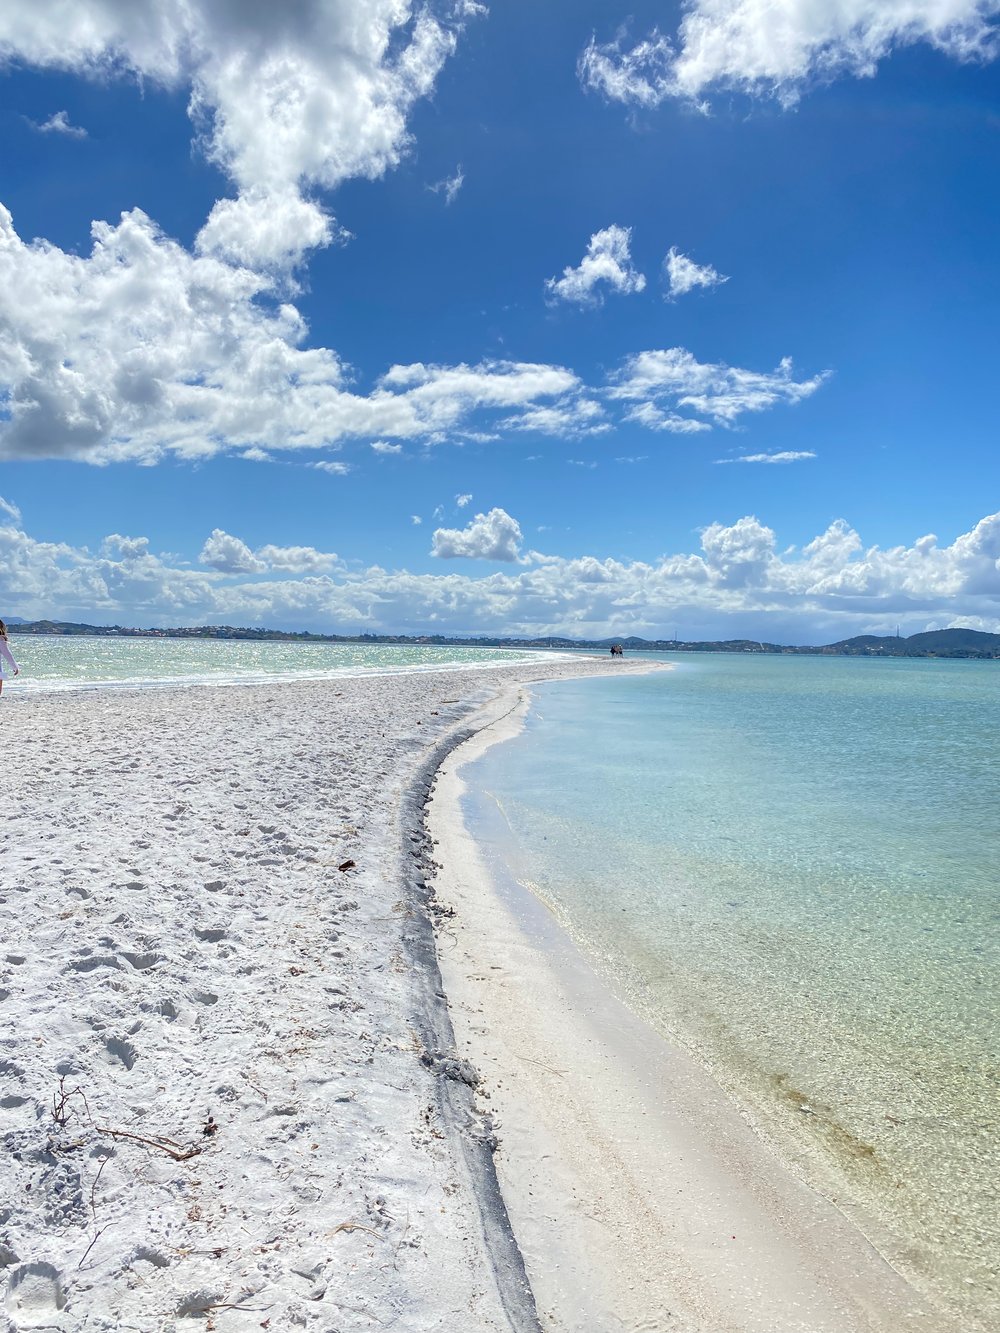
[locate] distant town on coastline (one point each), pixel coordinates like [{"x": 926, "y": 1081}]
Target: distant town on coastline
[{"x": 967, "y": 643}]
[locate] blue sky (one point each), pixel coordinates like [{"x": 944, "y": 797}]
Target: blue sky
[{"x": 652, "y": 319}]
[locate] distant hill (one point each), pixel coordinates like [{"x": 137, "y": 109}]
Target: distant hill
[
  {"x": 933, "y": 643},
  {"x": 16, "y": 620}
]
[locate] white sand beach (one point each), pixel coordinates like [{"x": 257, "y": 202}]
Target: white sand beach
[
  {"x": 230, "y": 1093},
  {"x": 225, "y": 1095}
]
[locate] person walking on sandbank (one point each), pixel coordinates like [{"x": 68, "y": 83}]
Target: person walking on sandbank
[{"x": 8, "y": 667}]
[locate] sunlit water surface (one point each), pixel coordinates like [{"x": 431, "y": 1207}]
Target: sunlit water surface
[
  {"x": 791, "y": 864},
  {"x": 50, "y": 662}
]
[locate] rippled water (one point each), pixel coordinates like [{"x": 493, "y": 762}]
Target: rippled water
[
  {"x": 791, "y": 864},
  {"x": 50, "y": 662}
]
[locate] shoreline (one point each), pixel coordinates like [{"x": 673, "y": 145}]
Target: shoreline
[{"x": 598, "y": 1112}]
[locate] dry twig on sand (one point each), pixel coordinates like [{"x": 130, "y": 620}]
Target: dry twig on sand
[
  {"x": 168, "y": 1146},
  {"x": 355, "y": 1226}
]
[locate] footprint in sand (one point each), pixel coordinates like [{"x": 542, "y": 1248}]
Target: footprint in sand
[
  {"x": 121, "y": 1051},
  {"x": 34, "y": 1294},
  {"x": 93, "y": 962},
  {"x": 142, "y": 962},
  {"x": 210, "y": 934}
]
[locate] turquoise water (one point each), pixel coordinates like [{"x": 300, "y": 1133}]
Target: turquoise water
[
  {"x": 50, "y": 662},
  {"x": 791, "y": 865}
]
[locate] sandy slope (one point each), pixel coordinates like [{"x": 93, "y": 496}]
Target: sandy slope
[{"x": 220, "y": 1099}]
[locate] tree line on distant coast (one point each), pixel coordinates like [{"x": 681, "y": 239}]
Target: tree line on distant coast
[{"x": 967, "y": 643}]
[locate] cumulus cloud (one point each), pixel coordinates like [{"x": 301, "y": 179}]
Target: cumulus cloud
[
  {"x": 673, "y": 378},
  {"x": 267, "y": 229},
  {"x": 384, "y": 447},
  {"x": 739, "y": 582},
  {"x": 780, "y": 47},
  {"x": 297, "y": 559},
  {"x": 59, "y": 123},
  {"x": 784, "y": 456},
  {"x": 684, "y": 275},
  {"x": 142, "y": 349},
  {"x": 463, "y": 500},
  {"x": 607, "y": 263},
  {"x": 492, "y": 536},
  {"x": 229, "y": 555},
  {"x": 286, "y": 98}
]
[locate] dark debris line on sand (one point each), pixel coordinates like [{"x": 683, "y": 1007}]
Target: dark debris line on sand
[{"x": 455, "y": 1087}]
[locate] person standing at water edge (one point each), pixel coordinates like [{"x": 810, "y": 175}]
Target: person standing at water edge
[{"x": 7, "y": 664}]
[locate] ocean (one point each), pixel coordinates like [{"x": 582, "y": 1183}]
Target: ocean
[
  {"x": 790, "y": 865},
  {"x": 57, "y": 663}
]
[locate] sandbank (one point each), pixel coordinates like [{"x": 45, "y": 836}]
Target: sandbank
[{"x": 228, "y": 1091}]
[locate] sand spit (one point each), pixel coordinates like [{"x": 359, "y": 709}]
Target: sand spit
[
  {"x": 642, "y": 1198},
  {"x": 229, "y": 1096}
]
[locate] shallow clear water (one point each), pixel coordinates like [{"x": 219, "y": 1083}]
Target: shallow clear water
[
  {"x": 52, "y": 662},
  {"x": 791, "y": 864}
]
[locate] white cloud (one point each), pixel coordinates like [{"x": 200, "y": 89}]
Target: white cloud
[
  {"x": 463, "y": 500},
  {"x": 642, "y": 76},
  {"x": 607, "y": 262},
  {"x": 59, "y": 123},
  {"x": 267, "y": 229},
  {"x": 492, "y": 536},
  {"x": 683, "y": 274},
  {"x": 286, "y": 97},
  {"x": 416, "y": 520},
  {"x": 654, "y": 418},
  {"x": 784, "y": 456},
  {"x": 450, "y": 186},
  {"x": 581, "y": 462},
  {"x": 780, "y": 47},
  {"x": 570, "y": 418},
  {"x": 674, "y": 378},
  {"x": 333, "y": 469},
  {"x": 229, "y": 555},
  {"x": 297, "y": 559},
  {"x": 142, "y": 349},
  {"x": 738, "y": 583},
  {"x": 384, "y": 447},
  {"x": 10, "y": 509}
]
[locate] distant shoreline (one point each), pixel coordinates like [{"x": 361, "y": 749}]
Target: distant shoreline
[{"x": 946, "y": 643}]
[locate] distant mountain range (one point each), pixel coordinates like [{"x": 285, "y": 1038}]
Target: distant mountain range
[{"x": 933, "y": 643}]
